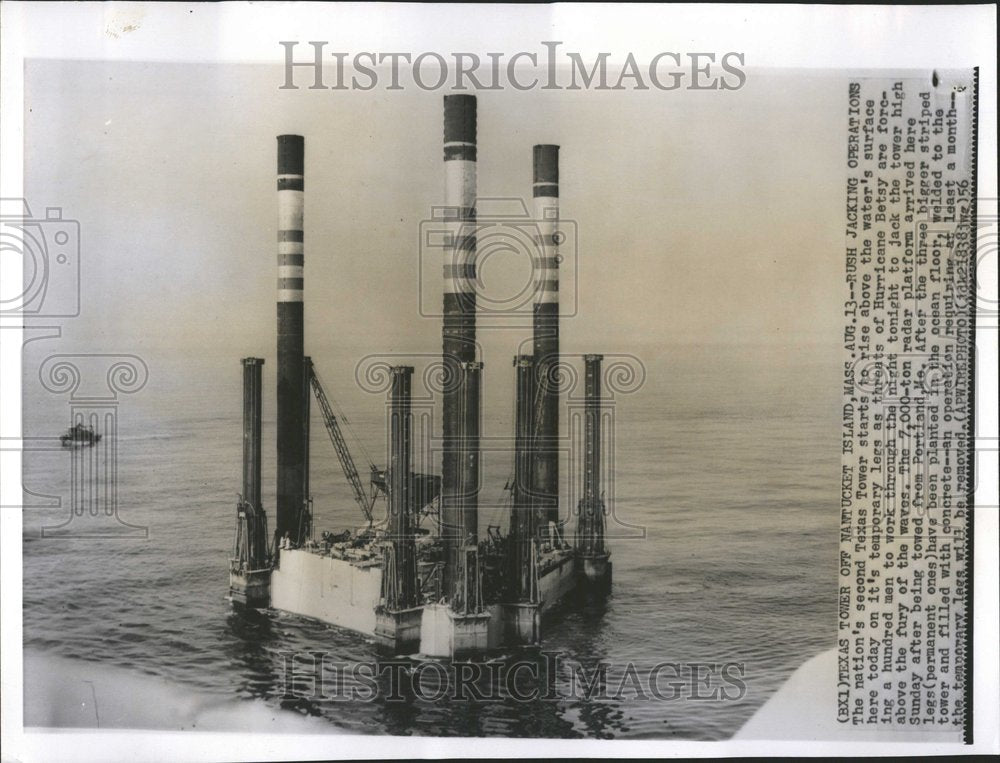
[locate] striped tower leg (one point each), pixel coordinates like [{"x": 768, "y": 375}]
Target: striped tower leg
[
  {"x": 291, "y": 458},
  {"x": 545, "y": 191},
  {"x": 459, "y": 329}
]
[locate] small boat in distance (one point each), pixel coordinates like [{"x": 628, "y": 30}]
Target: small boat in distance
[{"x": 79, "y": 436}]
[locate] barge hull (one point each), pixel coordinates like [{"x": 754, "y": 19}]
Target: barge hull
[
  {"x": 557, "y": 582},
  {"x": 328, "y": 589},
  {"x": 347, "y": 595}
]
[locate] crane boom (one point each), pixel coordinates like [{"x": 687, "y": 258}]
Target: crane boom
[{"x": 340, "y": 445}]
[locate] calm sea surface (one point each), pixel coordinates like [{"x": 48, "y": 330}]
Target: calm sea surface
[{"x": 728, "y": 459}]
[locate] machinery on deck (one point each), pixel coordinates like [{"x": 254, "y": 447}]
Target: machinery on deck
[{"x": 364, "y": 500}]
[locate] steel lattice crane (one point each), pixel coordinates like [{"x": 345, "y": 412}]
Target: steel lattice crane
[{"x": 365, "y": 501}]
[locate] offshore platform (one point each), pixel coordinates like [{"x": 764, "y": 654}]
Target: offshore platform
[{"x": 450, "y": 590}]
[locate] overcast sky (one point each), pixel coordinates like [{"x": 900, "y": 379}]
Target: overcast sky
[{"x": 702, "y": 217}]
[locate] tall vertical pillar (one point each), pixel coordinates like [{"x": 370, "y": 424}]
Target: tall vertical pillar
[
  {"x": 465, "y": 593},
  {"x": 591, "y": 528},
  {"x": 307, "y": 518},
  {"x": 400, "y": 574},
  {"x": 592, "y": 552},
  {"x": 291, "y": 458},
  {"x": 249, "y": 566},
  {"x": 398, "y": 616},
  {"x": 252, "y": 405},
  {"x": 469, "y": 468},
  {"x": 256, "y": 525},
  {"x": 522, "y": 517},
  {"x": 458, "y": 507},
  {"x": 545, "y": 191}
]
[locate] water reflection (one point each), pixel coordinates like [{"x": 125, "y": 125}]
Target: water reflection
[
  {"x": 250, "y": 647},
  {"x": 597, "y": 718}
]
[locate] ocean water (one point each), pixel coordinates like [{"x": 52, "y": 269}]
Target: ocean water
[{"x": 726, "y": 459}]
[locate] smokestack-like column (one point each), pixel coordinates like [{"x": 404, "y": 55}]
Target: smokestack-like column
[
  {"x": 545, "y": 190},
  {"x": 459, "y": 331},
  {"x": 291, "y": 458},
  {"x": 399, "y": 587},
  {"x": 522, "y": 516},
  {"x": 591, "y": 528}
]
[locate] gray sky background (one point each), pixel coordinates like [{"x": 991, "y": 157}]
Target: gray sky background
[{"x": 707, "y": 217}]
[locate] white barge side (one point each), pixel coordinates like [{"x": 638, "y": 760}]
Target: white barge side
[{"x": 347, "y": 594}]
